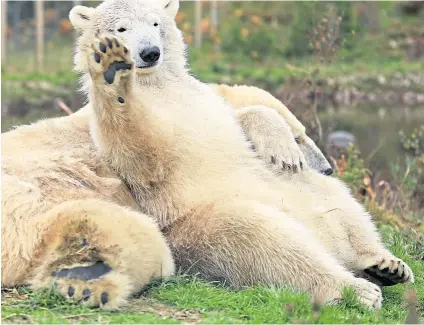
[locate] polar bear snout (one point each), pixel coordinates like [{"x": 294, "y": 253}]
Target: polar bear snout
[
  {"x": 328, "y": 171},
  {"x": 150, "y": 55}
]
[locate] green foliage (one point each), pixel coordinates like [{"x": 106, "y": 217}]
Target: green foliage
[
  {"x": 316, "y": 22},
  {"x": 413, "y": 143},
  {"x": 258, "y": 42},
  {"x": 353, "y": 169},
  {"x": 410, "y": 174}
]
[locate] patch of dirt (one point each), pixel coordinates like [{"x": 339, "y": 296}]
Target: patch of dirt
[{"x": 11, "y": 297}]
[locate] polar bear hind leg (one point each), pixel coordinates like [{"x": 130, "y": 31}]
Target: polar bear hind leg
[
  {"x": 243, "y": 243},
  {"x": 366, "y": 254},
  {"x": 99, "y": 253}
]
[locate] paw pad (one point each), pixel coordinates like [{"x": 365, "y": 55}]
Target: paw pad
[
  {"x": 102, "y": 47},
  {"x": 71, "y": 292},
  {"x": 113, "y": 59},
  {"x": 86, "y": 294},
  {"x": 109, "y": 42},
  {"x": 389, "y": 272},
  {"x": 104, "y": 298}
]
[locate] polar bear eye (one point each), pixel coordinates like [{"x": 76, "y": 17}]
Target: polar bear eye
[
  {"x": 297, "y": 139},
  {"x": 122, "y": 29},
  {"x": 156, "y": 24}
]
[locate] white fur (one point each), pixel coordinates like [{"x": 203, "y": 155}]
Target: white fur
[{"x": 182, "y": 152}]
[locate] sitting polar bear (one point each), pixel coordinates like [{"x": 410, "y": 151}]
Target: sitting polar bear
[
  {"x": 68, "y": 219},
  {"x": 181, "y": 151},
  {"x": 56, "y": 200}
]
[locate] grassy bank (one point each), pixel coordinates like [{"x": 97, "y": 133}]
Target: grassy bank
[{"x": 188, "y": 300}]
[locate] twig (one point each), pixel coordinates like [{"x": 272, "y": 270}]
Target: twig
[
  {"x": 79, "y": 315},
  {"x": 63, "y": 106},
  {"x": 17, "y": 315},
  {"x": 375, "y": 150}
]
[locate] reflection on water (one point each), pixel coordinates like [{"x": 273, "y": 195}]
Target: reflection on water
[{"x": 376, "y": 129}]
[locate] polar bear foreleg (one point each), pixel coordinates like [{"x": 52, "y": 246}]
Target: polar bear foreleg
[{"x": 271, "y": 137}]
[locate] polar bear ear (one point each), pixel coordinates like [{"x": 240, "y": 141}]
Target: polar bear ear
[
  {"x": 80, "y": 17},
  {"x": 171, "y": 7}
]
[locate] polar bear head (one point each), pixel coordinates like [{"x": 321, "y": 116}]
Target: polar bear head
[{"x": 147, "y": 27}]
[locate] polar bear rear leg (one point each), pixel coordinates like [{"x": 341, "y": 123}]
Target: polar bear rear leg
[
  {"x": 99, "y": 253},
  {"x": 246, "y": 243},
  {"x": 369, "y": 258}
]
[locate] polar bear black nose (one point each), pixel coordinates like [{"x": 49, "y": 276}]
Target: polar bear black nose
[
  {"x": 150, "y": 55},
  {"x": 328, "y": 171}
]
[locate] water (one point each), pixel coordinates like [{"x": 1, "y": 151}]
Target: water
[{"x": 376, "y": 129}]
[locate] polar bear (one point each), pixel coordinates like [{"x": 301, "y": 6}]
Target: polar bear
[
  {"x": 61, "y": 161},
  {"x": 49, "y": 169},
  {"x": 65, "y": 223},
  {"x": 51, "y": 173},
  {"x": 179, "y": 148}
]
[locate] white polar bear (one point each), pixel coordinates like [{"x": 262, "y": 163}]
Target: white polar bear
[{"x": 182, "y": 153}]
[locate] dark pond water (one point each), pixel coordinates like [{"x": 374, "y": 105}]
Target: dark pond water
[{"x": 376, "y": 129}]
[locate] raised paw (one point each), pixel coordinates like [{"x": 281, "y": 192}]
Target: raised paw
[
  {"x": 110, "y": 58},
  {"x": 389, "y": 271},
  {"x": 368, "y": 293}
]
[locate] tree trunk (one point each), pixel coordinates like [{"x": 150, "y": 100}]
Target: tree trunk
[
  {"x": 214, "y": 21},
  {"x": 197, "y": 19},
  {"x": 39, "y": 16},
  {"x": 3, "y": 31}
]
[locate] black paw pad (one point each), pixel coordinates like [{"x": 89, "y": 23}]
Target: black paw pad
[
  {"x": 104, "y": 298},
  {"x": 115, "y": 66},
  {"x": 378, "y": 278},
  {"x": 86, "y": 293},
  {"x": 84, "y": 273},
  {"x": 109, "y": 42},
  {"x": 102, "y": 47},
  {"x": 97, "y": 57},
  {"x": 109, "y": 75},
  {"x": 121, "y": 100},
  {"x": 71, "y": 292}
]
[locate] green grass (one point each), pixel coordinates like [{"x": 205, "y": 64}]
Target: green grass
[{"x": 185, "y": 299}]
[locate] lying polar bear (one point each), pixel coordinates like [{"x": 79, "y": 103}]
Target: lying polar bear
[
  {"x": 66, "y": 217},
  {"x": 188, "y": 166}
]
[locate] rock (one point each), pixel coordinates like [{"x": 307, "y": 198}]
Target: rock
[
  {"x": 340, "y": 139},
  {"x": 420, "y": 98},
  {"x": 409, "y": 98}
]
